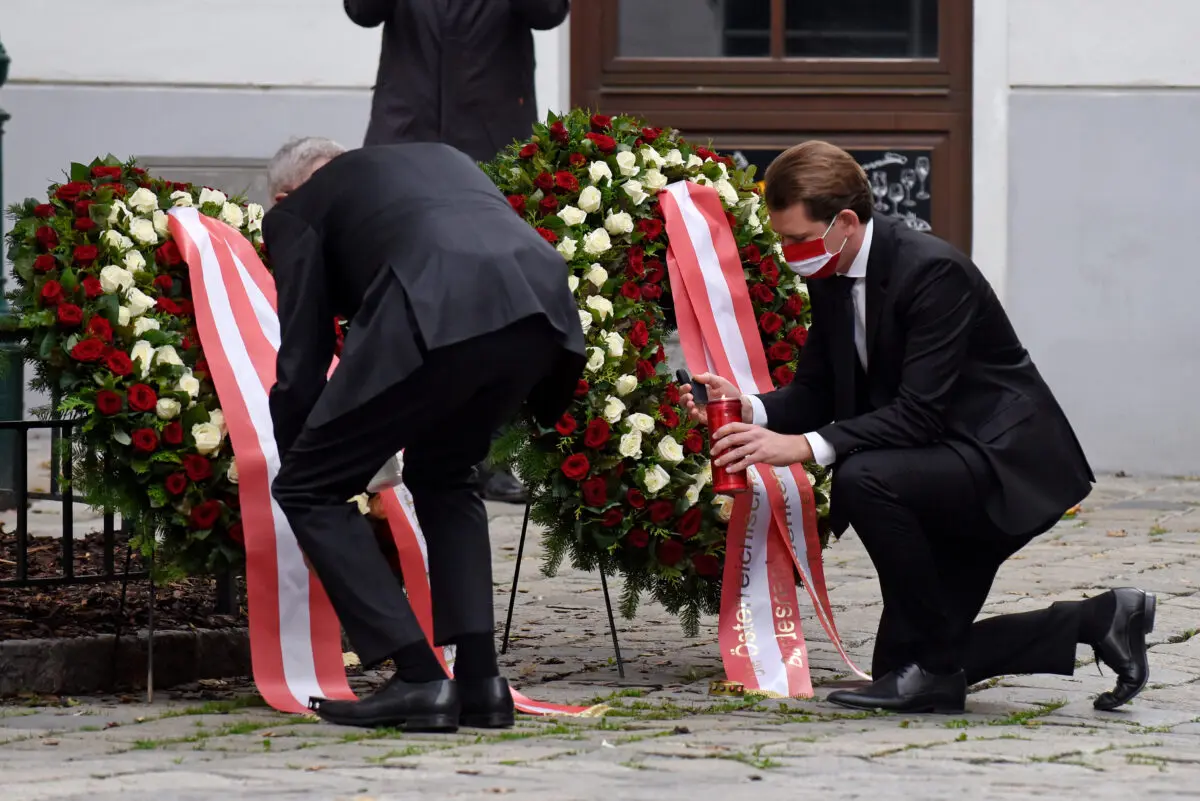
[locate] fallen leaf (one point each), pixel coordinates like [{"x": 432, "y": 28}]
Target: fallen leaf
[
  {"x": 466, "y": 772},
  {"x": 49, "y": 742},
  {"x": 314, "y": 768},
  {"x": 351, "y": 660},
  {"x": 1117, "y": 533}
]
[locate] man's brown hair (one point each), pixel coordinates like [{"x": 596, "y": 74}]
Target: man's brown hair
[{"x": 825, "y": 178}]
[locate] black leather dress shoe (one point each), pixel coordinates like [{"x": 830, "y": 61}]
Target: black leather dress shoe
[
  {"x": 909, "y": 689},
  {"x": 498, "y": 485},
  {"x": 429, "y": 706},
  {"x": 486, "y": 704},
  {"x": 1123, "y": 648}
]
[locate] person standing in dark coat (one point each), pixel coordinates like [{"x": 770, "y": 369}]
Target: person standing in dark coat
[
  {"x": 459, "y": 312},
  {"x": 459, "y": 72}
]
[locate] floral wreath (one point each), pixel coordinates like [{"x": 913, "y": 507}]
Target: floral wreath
[{"x": 623, "y": 480}]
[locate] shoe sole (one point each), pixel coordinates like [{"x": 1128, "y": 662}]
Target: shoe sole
[
  {"x": 493, "y": 720},
  {"x": 1149, "y": 611},
  {"x": 929, "y": 709},
  {"x": 431, "y": 724}
]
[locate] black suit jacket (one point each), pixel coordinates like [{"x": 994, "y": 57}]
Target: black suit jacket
[
  {"x": 419, "y": 250},
  {"x": 945, "y": 365},
  {"x": 455, "y": 71}
]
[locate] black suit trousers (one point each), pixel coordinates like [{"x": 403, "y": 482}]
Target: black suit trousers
[
  {"x": 442, "y": 416},
  {"x": 919, "y": 513}
]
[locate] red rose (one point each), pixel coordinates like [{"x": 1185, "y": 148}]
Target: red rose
[
  {"x": 661, "y": 511},
  {"x": 118, "y": 190},
  {"x": 100, "y": 328},
  {"x": 578, "y": 159},
  {"x": 601, "y": 122},
  {"x": 762, "y": 293},
  {"x": 693, "y": 442},
  {"x": 706, "y": 154},
  {"x": 650, "y": 134},
  {"x": 176, "y": 483},
  {"x": 670, "y": 552},
  {"x": 100, "y": 171},
  {"x": 651, "y": 291},
  {"x": 167, "y": 305},
  {"x": 47, "y": 237},
  {"x": 548, "y": 204},
  {"x": 651, "y": 228},
  {"x": 770, "y": 322},
  {"x": 69, "y": 314},
  {"x": 751, "y": 254},
  {"x": 108, "y": 402},
  {"x": 603, "y": 143},
  {"x": 731, "y": 219},
  {"x": 597, "y": 434},
  {"x": 655, "y": 270},
  {"x": 636, "y": 267},
  {"x": 52, "y": 292},
  {"x": 645, "y": 369},
  {"x": 233, "y": 501},
  {"x": 706, "y": 565},
  {"x": 581, "y": 388},
  {"x": 92, "y": 287},
  {"x": 167, "y": 254},
  {"x": 631, "y": 291},
  {"x": 783, "y": 375},
  {"x": 172, "y": 433},
  {"x": 575, "y": 466},
  {"x": 145, "y": 440},
  {"x": 86, "y": 254},
  {"x": 142, "y": 398},
  {"x": 689, "y": 523},
  {"x": 638, "y": 538},
  {"x": 205, "y": 514},
  {"x": 798, "y": 336},
  {"x": 612, "y": 518},
  {"x": 558, "y": 132},
  {"x": 235, "y": 533},
  {"x": 595, "y": 491},
  {"x": 660, "y": 355},
  {"x": 88, "y": 350},
  {"x": 163, "y": 282},
  {"x": 44, "y": 263},
  {"x": 529, "y": 151},
  {"x": 544, "y": 181},
  {"x": 635, "y": 498},
  {"x": 43, "y": 210},
  {"x": 84, "y": 224},
  {"x": 794, "y": 306},
  {"x": 70, "y": 192},
  {"x": 670, "y": 418},
  {"x": 566, "y": 182},
  {"x": 197, "y": 467},
  {"x": 181, "y": 186},
  {"x": 566, "y": 425},
  {"x": 769, "y": 270},
  {"x": 548, "y": 235},
  {"x": 185, "y": 307},
  {"x": 517, "y": 202},
  {"x": 201, "y": 366},
  {"x": 781, "y": 352}
]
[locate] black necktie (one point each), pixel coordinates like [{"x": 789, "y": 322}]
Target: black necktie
[{"x": 845, "y": 352}]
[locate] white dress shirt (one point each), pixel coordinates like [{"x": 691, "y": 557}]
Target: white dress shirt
[{"x": 823, "y": 453}]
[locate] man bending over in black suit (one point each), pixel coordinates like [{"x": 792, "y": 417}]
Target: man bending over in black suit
[
  {"x": 950, "y": 453},
  {"x": 459, "y": 312}
]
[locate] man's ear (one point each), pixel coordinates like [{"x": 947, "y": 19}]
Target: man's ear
[{"x": 280, "y": 196}]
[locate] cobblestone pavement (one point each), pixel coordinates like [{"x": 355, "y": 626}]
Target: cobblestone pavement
[{"x": 665, "y": 737}]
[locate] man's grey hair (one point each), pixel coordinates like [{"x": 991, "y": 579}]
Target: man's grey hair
[{"x": 293, "y": 163}]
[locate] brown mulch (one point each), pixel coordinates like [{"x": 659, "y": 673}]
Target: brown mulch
[{"x": 87, "y": 609}]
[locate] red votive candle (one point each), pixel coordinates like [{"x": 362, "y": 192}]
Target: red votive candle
[{"x": 722, "y": 412}]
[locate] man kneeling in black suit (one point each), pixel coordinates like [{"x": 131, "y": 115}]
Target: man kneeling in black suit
[
  {"x": 459, "y": 312},
  {"x": 950, "y": 453}
]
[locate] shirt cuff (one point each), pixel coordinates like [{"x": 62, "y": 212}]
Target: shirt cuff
[
  {"x": 759, "y": 417},
  {"x": 823, "y": 453}
]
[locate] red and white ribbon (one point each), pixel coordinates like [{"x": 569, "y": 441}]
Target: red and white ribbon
[
  {"x": 762, "y": 645},
  {"x": 295, "y": 637}
]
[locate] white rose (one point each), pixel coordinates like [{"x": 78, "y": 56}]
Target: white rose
[
  {"x": 651, "y": 157},
  {"x": 601, "y": 306},
  {"x": 254, "y": 217},
  {"x": 674, "y": 158},
  {"x": 589, "y": 199},
  {"x": 723, "y": 168},
  {"x": 724, "y": 506},
  {"x": 115, "y": 240},
  {"x": 573, "y": 284},
  {"x": 634, "y": 190},
  {"x": 654, "y": 180},
  {"x": 143, "y": 201},
  {"x": 613, "y": 409},
  {"x": 123, "y": 315},
  {"x": 619, "y": 223},
  {"x": 729, "y": 195},
  {"x": 595, "y": 360},
  {"x": 812, "y": 481},
  {"x": 212, "y": 196},
  {"x": 631, "y": 445},
  {"x": 615, "y": 343},
  {"x": 117, "y": 211},
  {"x": 692, "y": 495},
  {"x": 705, "y": 476},
  {"x": 626, "y": 384},
  {"x": 114, "y": 279},
  {"x": 181, "y": 198},
  {"x": 142, "y": 353},
  {"x": 231, "y": 472},
  {"x": 799, "y": 285},
  {"x": 627, "y": 164},
  {"x": 232, "y": 214},
  {"x": 207, "y": 436},
  {"x": 752, "y": 201},
  {"x": 134, "y": 260},
  {"x": 585, "y": 320},
  {"x": 640, "y": 422},
  {"x": 144, "y": 324},
  {"x": 655, "y": 479},
  {"x": 160, "y": 223},
  {"x": 217, "y": 418},
  {"x": 166, "y": 408},
  {"x": 167, "y": 355},
  {"x": 139, "y": 302},
  {"x": 567, "y": 248},
  {"x": 597, "y": 171},
  {"x": 704, "y": 180},
  {"x": 596, "y": 275},
  {"x": 755, "y": 224},
  {"x": 142, "y": 231},
  {"x": 190, "y": 384},
  {"x": 695, "y": 161},
  {"x": 572, "y": 215},
  {"x": 670, "y": 450}
]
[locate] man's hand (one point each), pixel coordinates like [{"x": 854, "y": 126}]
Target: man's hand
[
  {"x": 739, "y": 445},
  {"x": 717, "y": 388}
]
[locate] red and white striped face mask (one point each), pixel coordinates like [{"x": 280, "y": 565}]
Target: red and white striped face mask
[{"x": 812, "y": 259}]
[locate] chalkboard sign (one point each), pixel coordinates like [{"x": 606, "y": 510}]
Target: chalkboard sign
[{"x": 899, "y": 179}]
